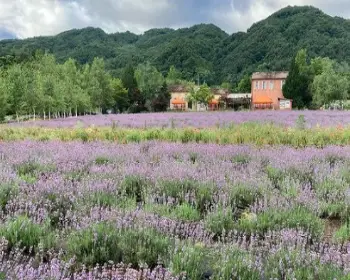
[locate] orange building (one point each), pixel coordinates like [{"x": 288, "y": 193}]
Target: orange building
[{"x": 267, "y": 91}]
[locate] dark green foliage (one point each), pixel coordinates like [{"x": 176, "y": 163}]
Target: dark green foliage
[
  {"x": 275, "y": 219},
  {"x": 242, "y": 196},
  {"x": 240, "y": 159},
  {"x": 135, "y": 98},
  {"x": 161, "y": 101},
  {"x": 101, "y": 160},
  {"x": 134, "y": 187},
  {"x": 104, "y": 242},
  {"x": 297, "y": 85},
  {"x": 58, "y": 207},
  {"x": 22, "y": 232},
  {"x": 7, "y": 192},
  {"x": 178, "y": 190},
  {"x": 97, "y": 244},
  {"x": 219, "y": 221}
]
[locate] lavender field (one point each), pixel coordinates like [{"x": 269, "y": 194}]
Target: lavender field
[
  {"x": 198, "y": 119},
  {"x": 157, "y": 210}
]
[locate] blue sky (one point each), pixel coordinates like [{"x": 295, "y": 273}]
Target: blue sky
[{"x": 29, "y": 18}]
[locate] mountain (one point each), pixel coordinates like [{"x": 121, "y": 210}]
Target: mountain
[{"x": 204, "y": 50}]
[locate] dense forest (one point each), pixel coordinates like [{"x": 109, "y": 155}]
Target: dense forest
[{"x": 203, "y": 52}]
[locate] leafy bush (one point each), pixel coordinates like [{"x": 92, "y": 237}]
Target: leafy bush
[
  {"x": 103, "y": 199},
  {"x": 104, "y": 242},
  {"x": 242, "y": 196},
  {"x": 193, "y": 260},
  {"x": 97, "y": 244},
  {"x": 7, "y": 192},
  {"x": 145, "y": 246},
  {"x": 134, "y": 186},
  {"x": 22, "y": 232},
  {"x": 59, "y": 205},
  {"x": 275, "y": 219},
  {"x": 219, "y": 220},
  {"x": 101, "y": 160},
  {"x": 178, "y": 189},
  {"x": 241, "y": 159}
]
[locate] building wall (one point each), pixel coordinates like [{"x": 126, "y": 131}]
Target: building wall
[{"x": 274, "y": 91}]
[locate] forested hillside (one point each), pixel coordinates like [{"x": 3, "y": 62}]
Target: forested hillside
[{"x": 203, "y": 51}]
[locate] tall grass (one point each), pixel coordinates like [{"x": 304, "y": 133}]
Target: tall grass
[{"x": 247, "y": 133}]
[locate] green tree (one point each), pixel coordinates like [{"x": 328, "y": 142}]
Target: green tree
[
  {"x": 202, "y": 95},
  {"x": 135, "y": 98},
  {"x": 329, "y": 86},
  {"x": 244, "y": 85},
  {"x": 103, "y": 95},
  {"x": 174, "y": 76},
  {"x": 297, "y": 86},
  {"x": 149, "y": 81},
  {"x": 161, "y": 102},
  {"x": 120, "y": 95},
  {"x": 226, "y": 85},
  {"x": 4, "y": 99}
]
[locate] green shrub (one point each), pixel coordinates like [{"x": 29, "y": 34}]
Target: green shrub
[
  {"x": 178, "y": 189},
  {"x": 104, "y": 242},
  {"x": 186, "y": 212},
  {"x": 342, "y": 234},
  {"x": 59, "y": 205},
  {"x": 29, "y": 170},
  {"x": 22, "y": 232},
  {"x": 275, "y": 175},
  {"x": 219, "y": 220},
  {"x": 193, "y": 260},
  {"x": 97, "y": 244},
  {"x": 241, "y": 159},
  {"x": 103, "y": 199},
  {"x": 291, "y": 264},
  {"x": 145, "y": 246},
  {"x": 101, "y": 160},
  {"x": 134, "y": 186},
  {"x": 7, "y": 192},
  {"x": 242, "y": 196},
  {"x": 276, "y": 219}
]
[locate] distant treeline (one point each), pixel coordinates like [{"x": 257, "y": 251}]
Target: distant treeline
[{"x": 39, "y": 86}]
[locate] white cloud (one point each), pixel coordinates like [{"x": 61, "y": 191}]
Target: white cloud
[
  {"x": 28, "y": 18},
  {"x": 235, "y": 18}
]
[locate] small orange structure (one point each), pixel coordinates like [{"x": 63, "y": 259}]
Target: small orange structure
[
  {"x": 262, "y": 102},
  {"x": 179, "y": 104},
  {"x": 213, "y": 104}
]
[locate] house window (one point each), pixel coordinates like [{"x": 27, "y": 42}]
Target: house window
[
  {"x": 257, "y": 85},
  {"x": 271, "y": 84},
  {"x": 263, "y": 85}
]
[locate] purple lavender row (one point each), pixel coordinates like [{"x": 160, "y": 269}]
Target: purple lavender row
[{"x": 198, "y": 119}]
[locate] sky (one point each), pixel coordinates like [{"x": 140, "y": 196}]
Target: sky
[{"x": 29, "y": 18}]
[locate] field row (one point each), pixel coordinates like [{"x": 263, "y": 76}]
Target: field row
[
  {"x": 248, "y": 133},
  {"x": 199, "y": 119},
  {"x": 207, "y": 210}
]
